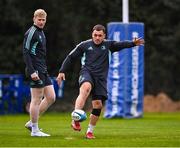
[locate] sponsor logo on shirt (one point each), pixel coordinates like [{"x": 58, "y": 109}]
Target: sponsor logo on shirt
[
  {"x": 103, "y": 47},
  {"x": 90, "y": 48},
  {"x": 40, "y": 38}
]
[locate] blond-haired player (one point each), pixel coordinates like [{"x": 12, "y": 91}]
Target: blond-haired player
[{"x": 42, "y": 90}]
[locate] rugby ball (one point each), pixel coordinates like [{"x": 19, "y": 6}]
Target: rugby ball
[{"x": 78, "y": 115}]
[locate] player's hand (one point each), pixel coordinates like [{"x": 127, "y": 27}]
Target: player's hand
[
  {"x": 138, "y": 41},
  {"x": 34, "y": 76},
  {"x": 60, "y": 78}
]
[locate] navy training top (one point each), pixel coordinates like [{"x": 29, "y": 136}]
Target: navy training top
[
  {"x": 94, "y": 58},
  {"x": 34, "y": 50}
]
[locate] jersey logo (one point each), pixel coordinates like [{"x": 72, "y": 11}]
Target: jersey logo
[
  {"x": 40, "y": 37},
  {"x": 103, "y": 47},
  {"x": 90, "y": 48}
]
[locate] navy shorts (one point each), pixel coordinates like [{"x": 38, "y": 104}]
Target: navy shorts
[
  {"x": 99, "y": 85},
  {"x": 44, "y": 81}
]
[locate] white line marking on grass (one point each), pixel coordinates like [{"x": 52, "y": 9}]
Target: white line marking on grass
[{"x": 68, "y": 138}]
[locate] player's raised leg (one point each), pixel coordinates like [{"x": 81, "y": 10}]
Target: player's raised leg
[{"x": 84, "y": 92}]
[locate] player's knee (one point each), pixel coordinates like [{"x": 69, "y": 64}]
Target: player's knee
[
  {"x": 86, "y": 86},
  {"x": 87, "y": 91},
  {"x": 96, "y": 111},
  {"x": 97, "y": 104},
  {"x": 35, "y": 102}
]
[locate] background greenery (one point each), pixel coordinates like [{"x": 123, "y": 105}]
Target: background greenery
[
  {"x": 153, "y": 130},
  {"x": 71, "y": 21}
]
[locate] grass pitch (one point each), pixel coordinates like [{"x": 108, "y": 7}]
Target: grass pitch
[{"x": 153, "y": 130}]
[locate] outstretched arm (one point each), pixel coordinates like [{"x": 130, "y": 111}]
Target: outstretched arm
[{"x": 117, "y": 46}]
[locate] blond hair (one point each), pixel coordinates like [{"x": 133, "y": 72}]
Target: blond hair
[{"x": 40, "y": 13}]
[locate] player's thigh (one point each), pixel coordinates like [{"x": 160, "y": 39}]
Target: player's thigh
[
  {"x": 37, "y": 94},
  {"x": 85, "y": 78},
  {"x": 49, "y": 92}
]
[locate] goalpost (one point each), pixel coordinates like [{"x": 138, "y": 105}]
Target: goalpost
[{"x": 126, "y": 70}]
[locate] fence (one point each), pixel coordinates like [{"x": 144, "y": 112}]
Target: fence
[{"x": 15, "y": 93}]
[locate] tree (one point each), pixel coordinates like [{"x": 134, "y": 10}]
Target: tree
[{"x": 71, "y": 21}]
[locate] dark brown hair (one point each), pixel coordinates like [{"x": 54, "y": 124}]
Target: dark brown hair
[{"x": 99, "y": 27}]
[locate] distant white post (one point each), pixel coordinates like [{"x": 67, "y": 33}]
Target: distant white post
[{"x": 125, "y": 11}]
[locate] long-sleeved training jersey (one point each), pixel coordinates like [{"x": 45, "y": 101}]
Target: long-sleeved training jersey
[
  {"x": 34, "y": 50},
  {"x": 94, "y": 58}
]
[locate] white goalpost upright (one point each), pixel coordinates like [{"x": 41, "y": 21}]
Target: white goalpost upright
[{"x": 125, "y": 11}]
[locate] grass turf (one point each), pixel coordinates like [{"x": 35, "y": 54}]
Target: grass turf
[{"x": 153, "y": 130}]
